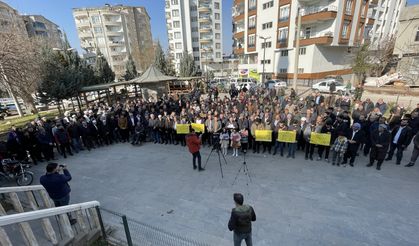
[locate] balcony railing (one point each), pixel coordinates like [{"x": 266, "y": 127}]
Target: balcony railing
[
  {"x": 282, "y": 40},
  {"x": 317, "y": 35},
  {"x": 315, "y": 9},
  {"x": 285, "y": 18}
]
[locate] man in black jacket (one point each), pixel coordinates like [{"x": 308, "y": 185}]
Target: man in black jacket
[
  {"x": 415, "y": 152},
  {"x": 380, "y": 140},
  {"x": 400, "y": 139},
  {"x": 355, "y": 138},
  {"x": 56, "y": 184},
  {"x": 241, "y": 221}
]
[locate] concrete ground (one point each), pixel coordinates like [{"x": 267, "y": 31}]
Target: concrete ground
[{"x": 297, "y": 202}]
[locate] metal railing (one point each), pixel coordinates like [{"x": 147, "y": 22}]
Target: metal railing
[
  {"x": 128, "y": 231},
  {"x": 315, "y": 9},
  {"x": 316, "y": 34}
]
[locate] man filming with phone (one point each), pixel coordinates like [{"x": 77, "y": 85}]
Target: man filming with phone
[{"x": 55, "y": 181}]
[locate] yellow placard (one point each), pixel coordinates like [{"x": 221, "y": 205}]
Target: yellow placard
[
  {"x": 263, "y": 135},
  {"x": 320, "y": 138},
  {"x": 198, "y": 127},
  {"x": 182, "y": 128},
  {"x": 287, "y": 136}
]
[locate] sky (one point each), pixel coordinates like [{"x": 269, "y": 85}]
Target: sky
[{"x": 60, "y": 12}]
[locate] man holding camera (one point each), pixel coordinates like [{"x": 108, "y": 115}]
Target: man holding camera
[
  {"x": 55, "y": 181},
  {"x": 241, "y": 221}
]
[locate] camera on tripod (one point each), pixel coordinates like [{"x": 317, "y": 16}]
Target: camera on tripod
[{"x": 216, "y": 145}]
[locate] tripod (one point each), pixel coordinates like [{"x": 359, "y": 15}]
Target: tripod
[
  {"x": 217, "y": 148},
  {"x": 245, "y": 170}
]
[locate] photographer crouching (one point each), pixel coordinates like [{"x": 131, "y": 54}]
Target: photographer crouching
[{"x": 55, "y": 182}]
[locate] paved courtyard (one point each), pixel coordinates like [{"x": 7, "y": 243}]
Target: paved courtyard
[{"x": 297, "y": 202}]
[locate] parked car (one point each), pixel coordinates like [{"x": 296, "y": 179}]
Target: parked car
[
  {"x": 324, "y": 86},
  {"x": 4, "y": 111},
  {"x": 237, "y": 81},
  {"x": 336, "y": 77},
  {"x": 247, "y": 85},
  {"x": 275, "y": 83}
]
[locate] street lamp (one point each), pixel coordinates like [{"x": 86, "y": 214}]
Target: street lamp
[{"x": 264, "y": 53}]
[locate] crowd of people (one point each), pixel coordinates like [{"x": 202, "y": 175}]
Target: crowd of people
[{"x": 356, "y": 127}]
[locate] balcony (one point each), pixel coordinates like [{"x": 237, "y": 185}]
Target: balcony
[
  {"x": 205, "y": 39},
  {"x": 116, "y": 43},
  {"x": 204, "y": 8},
  {"x": 85, "y": 34},
  {"x": 321, "y": 38},
  {"x": 204, "y": 19},
  {"x": 205, "y": 28},
  {"x": 239, "y": 34},
  {"x": 238, "y": 51},
  {"x": 315, "y": 14},
  {"x": 85, "y": 23}
]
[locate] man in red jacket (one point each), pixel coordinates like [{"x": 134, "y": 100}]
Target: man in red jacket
[{"x": 194, "y": 144}]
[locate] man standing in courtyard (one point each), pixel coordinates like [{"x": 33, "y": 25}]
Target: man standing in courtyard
[
  {"x": 241, "y": 221},
  {"x": 194, "y": 144}
]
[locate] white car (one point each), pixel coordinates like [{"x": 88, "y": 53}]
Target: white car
[
  {"x": 324, "y": 86},
  {"x": 237, "y": 81},
  {"x": 275, "y": 83},
  {"x": 248, "y": 85}
]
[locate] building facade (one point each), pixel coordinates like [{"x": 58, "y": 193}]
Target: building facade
[
  {"x": 10, "y": 20},
  {"x": 386, "y": 14},
  {"x": 40, "y": 27},
  {"x": 329, "y": 29},
  {"x": 195, "y": 26},
  {"x": 117, "y": 31},
  {"x": 407, "y": 44}
]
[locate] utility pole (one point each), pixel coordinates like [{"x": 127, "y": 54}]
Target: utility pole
[
  {"x": 264, "y": 53},
  {"x": 297, "y": 50},
  {"x": 10, "y": 91}
]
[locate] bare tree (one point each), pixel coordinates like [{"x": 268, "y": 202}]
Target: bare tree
[
  {"x": 19, "y": 66},
  {"x": 382, "y": 56}
]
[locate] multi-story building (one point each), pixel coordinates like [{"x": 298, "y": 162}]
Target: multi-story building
[
  {"x": 407, "y": 44},
  {"x": 195, "y": 26},
  {"x": 329, "y": 29},
  {"x": 10, "y": 20},
  {"x": 117, "y": 31},
  {"x": 40, "y": 27},
  {"x": 386, "y": 14}
]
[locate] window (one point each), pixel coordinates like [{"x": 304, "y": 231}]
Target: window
[
  {"x": 170, "y": 36},
  {"x": 302, "y": 51},
  {"x": 217, "y": 16},
  {"x": 218, "y": 55},
  {"x": 195, "y": 49},
  {"x": 175, "y": 2},
  {"x": 216, "y": 5},
  {"x": 307, "y": 32},
  {"x": 194, "y": 18},
  {"x": 168, "y": 15},
  {"x": 252, "y": 22},
  {"x": 284, "y": 52},
  {"x": 300, "y": 70},
  {"x": 193, "y": 8},
  {"x": 284, "y": 13},
  {"x": 177, "y": 35},
  {"x": 267, "y": 5},
  {"x": 95, "y": 19},
  {"x": 196, "y": 58},
  {"x": 217, "y": 36},
  {"x": 101, "y": 40},
  {"x": 266, "y": 45},
  {"x": 167, "y": 4},
  {"x": 98, "y": 29},
  {"x": 178, "y": 55},
  {"x": 283, "y": 70},
  {"x": 175, "y": 13},
  {"x": 265, "y": 62},
  {"x": 283, "y": 35},
  {"x": 194, "y": 29},
  {"x": 348, "y": 7},
  {"x": 195, "y": 39},
  {"x": 178, "y": 45},
  {"x": 345, "y": 29},
  {"x": 217, "y": 26},
  {"x": 252, "y": 4},
  {"x": 267, "y": 25},
  {"x": 417, "y": 35},
  {"x": 251, "y": 41},
  {"x": 176, "y": 24},
  {"x": 218, "y": 46}
]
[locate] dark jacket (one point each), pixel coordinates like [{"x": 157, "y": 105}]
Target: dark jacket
[
  {"x": 56, "y": 184},
  {"x": 384, "y": 140},
  {"x": 416, "y": 141},
  {"x": 405, "y": 136},
  {"x": 241, "y": 219},
  {"x": 358, "y": 138}
]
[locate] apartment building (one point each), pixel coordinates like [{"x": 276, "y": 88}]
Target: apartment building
[
  {"x": 40, "y": 27},
  {"x": 195, "y": 26},
  {"x": 407, "y": 44},
  {"x": 117, "y": 31},
  {"x": 10, "y": 20},
  {"x": 329, "y": 29},
  {"x": 386, "y": 15}
]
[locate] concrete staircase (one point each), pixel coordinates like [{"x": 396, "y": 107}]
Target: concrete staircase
[{"x": 28, "y": 217}]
